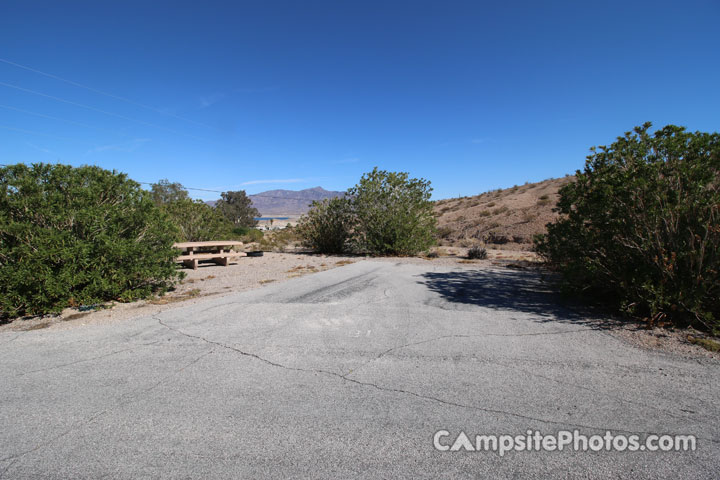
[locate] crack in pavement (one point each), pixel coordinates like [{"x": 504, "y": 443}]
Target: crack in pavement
[
  {"x": 45, "y": 369},
  {"x": 12, "y": 339},
  {"x": 609, "y": 395},
  {"x": 399, "y": 347},
  {"x": 409, "y": 392},
  {"x": 134, "y": 395}
]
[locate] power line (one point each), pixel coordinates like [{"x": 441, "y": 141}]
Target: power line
[
  {"x": 100, "y": 92},
  {"x": 37, "y": 114},
  {"x": 249, "y": 195},
  {"x": 32, "y": 132},
  {"x": 58, "y": 99},
  {"x": 220, "y": 191}
]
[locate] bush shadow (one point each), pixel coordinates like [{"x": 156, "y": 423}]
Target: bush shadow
[{"x": 515, "y": 290}]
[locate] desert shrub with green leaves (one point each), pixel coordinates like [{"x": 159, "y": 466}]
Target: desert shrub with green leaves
[
  {"x": 246, "y": 234},
  {"x": 327, "y": 227},
  {"x": 640, "y": 227},
  {"x": 386, "y": 213},
  {"x": 196, "y": 221},
  {"x": 393, "y": 214},
  {"x": 73, "y": 236}
]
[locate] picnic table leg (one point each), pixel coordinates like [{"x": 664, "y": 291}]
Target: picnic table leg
[
  {"x": 191, "y": 263},
  {"x": 223, "y": 261}
]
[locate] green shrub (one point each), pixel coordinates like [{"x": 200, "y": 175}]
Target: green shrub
[
  {"x": 393, "y": 214},
  {"x": 327, "y": 226},
  {"x": 386, "y": 213},
  {"x": 247, "y": 234},
  {"x": 196, "y": 221},
  {"x": 641, "y": 226},
  {"x": 72, "y": 236}
]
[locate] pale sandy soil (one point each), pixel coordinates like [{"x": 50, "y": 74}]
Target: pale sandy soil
[
  {"x": 209, "y": 280},
  {"x": 247, "y": 273}
]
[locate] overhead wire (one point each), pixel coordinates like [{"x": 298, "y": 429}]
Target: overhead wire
[
  {"x": 52, "y": 117},
  {"x": 249, "y": 194},
  {"x": 100, "y": 92},
  {"x": 105, "y": 112},
  {"x": 220, "y": 191},
  {"x": 117, "y": 97}
]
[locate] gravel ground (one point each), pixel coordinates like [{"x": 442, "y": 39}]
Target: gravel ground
[{"x": 210, "y": 280}]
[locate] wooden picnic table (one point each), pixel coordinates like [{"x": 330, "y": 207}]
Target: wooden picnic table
[{"x": 217, "y": 251}]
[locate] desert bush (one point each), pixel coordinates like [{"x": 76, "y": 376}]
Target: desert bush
[
  {"x": 477, "y": 253},
  {"x": 528, "y": 217},
  {"x": 73, "y": 236},
  {"x": 280, "y": 240},
  {"x": 196, "y": 221},
  {"x": 444, "y": 232},
  {"x": 246, "y": 234},
  {"x": 327, "y": 226},
  {"x": 386, "y": 213},
  {"x": 640, "y": 226},
  {"x": 393, "y": 214},
  {"x": 496, "y": 238},
  {"x": 500, "y": 210}
]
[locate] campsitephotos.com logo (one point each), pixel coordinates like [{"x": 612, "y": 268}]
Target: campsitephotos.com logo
[{"x": 534, "y": 440}]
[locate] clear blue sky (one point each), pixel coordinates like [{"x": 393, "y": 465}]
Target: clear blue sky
[{"x": 259, "y": 95}]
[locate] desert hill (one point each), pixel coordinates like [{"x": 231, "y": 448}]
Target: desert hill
[
  {"x": 287, "y": 202},
  {"x": 505, "y": 218}
]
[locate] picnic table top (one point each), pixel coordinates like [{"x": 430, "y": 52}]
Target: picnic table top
[{"x": 213, "y": 243}]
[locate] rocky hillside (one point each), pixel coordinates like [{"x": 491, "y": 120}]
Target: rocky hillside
[
  {"x": 289, "y": 202},
  {"x": 501, "y": 218}
]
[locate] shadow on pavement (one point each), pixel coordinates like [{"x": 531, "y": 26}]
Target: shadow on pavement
[{"x": 519, "y": 290}]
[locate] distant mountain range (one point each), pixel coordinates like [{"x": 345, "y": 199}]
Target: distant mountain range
[{"x": 288, "y": 202}]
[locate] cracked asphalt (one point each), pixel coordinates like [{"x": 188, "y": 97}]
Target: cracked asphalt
[{"x": 349, "y": 373}]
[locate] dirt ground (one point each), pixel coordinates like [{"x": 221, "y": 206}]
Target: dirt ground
[{"x": 210, "y": 280}]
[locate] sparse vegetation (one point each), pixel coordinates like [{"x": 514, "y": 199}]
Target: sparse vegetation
[
  {"x": 280, "y": 240},
  {"x": 641, "y": 227},
  {"x": 706, "y": 343},
  {"x": 513, "y": 214},
  {"x": 477, "y": 253}
]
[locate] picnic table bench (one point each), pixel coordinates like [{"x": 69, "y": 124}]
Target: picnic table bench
[{"x": 217, "y": 251}]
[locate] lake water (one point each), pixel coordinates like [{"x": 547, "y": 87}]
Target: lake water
[{"x": 272, "y": 218}]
